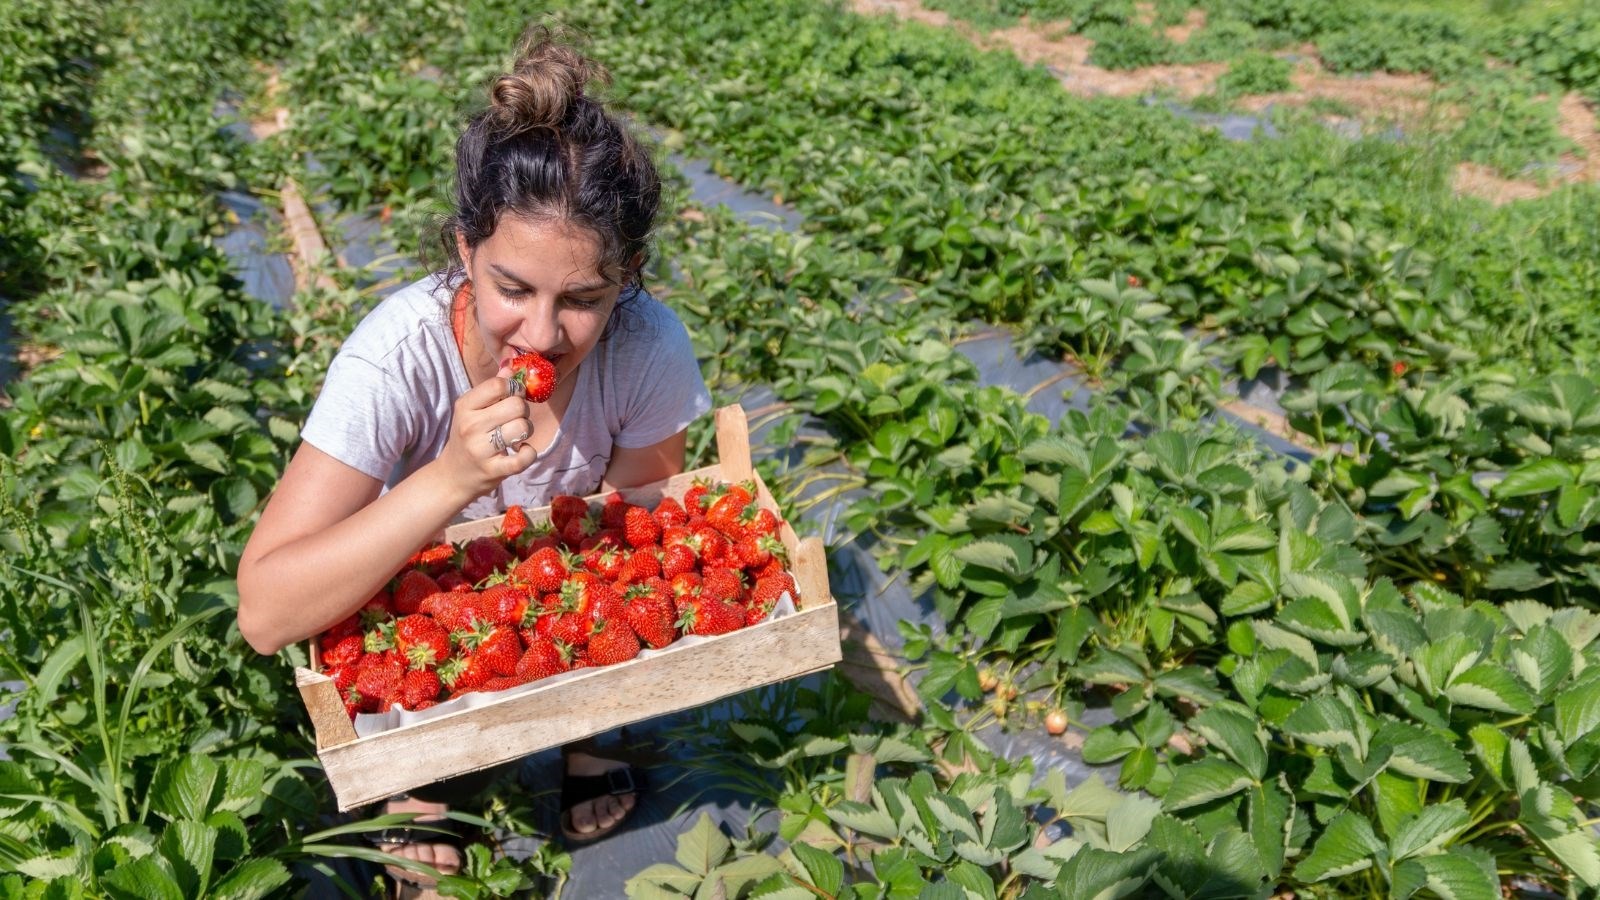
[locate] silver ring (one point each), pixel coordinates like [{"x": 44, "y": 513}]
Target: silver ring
[{"x": 497, "y": 439}]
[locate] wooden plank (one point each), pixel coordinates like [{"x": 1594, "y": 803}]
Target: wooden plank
[
  {"x": 328, "y": 718},
  {"x": 733, "y": 444},
  {"x": 592, "y": 702},
  {"x": 810, "y": 567}
]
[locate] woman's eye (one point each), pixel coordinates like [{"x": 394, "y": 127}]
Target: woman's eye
[
  {"x": 513, "y": 293},
  {"x": 582, "y": 302}
]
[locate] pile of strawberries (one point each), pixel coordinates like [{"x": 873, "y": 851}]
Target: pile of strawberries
[{"x": 587, "y": 588}]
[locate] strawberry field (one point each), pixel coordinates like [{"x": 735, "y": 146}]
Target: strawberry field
[{"x": 1209, "y": 518}]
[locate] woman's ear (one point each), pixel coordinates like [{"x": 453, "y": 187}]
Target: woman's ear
[{"x": 461, "y": 249}]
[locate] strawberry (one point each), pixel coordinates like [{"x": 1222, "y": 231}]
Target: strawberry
[
  {"x": 503, "y": 683},
  {"x": 728, "y": 515},
  {"x": 685, "y": 588},
  {"x": 452, "y": 580},
  {"x": 714, "y": 545},
  {"x": 542, "y": 659},
  {"x": 424, "y": 642},
  {"x": 650, "y": 612},
  {"x": 602, "y": 601},
  {"x": 342, "y": 651},
  {"x": 693, "y": 497},
  {"x": 502, "y": 603},
  {"x": 411, "y": 589},
  {"x": 722, "y": 583},
  {"x": 534, "y": 375},
  {"x": 613, "y": 511},
  {"x": 455, "y": 610},
  {"x": 669, "y": 512},
  {"x": 765, "y": 595},
  {"x": 752, "y": 552},
  {"x": 378, "y": 678},
  {"x": 710, "y": 615},
  {"x": 643, "y": 563},
  {"x": 545, "y": 569},
  {"x": 564, "y": 508},
  {"x": 464, "y": 674},
  {"x": 763, "y": 522},
  {"x": 376, "y": 609},
  {"x": 605, "y": 559},
  {"x": 431, "y": 558},
  {"x": 482, "y": 557},
  {"x": 343, "y": 676},
  {"x": 497, "y": 647},
  {"x": 774, "y": 566},
  {"x": 579, "y": 529},
  {"x": 536, "y": 536},
  {"x": 639, "y": 528},
  {"x": 514, "y": 523},
  {"x": 611, "y": 641},
  {"x": 678, "y": 559},
  {"x": 379, "y": 638},
  {"x": 419, "y": 686}
]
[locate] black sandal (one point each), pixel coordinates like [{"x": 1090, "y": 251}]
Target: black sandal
[
  {"x": 576, "y": 789},
  {"x": 453, "y": 833}
]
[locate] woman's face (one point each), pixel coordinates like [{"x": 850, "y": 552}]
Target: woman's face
[{"x": 538, "y": 286}]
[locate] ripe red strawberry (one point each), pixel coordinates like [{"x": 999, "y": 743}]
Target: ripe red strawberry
[
  {"x": 693, "y": 497},
  {"x": 455, "y": 610},
  {"x": 343, "y": 676},
  {"x": 378, "y": 678},
  {"x": 534, "y": 375},
  {"x": 774, "y": 566},
  {"x": 464, "y": 674},
  {"x": 564, "y": 508},
  {"x": 669, "y": 512},
  {"x": 503, "y": 683},
  {"x": 452, "y": 580},
  {"x": 424, "y": 642},
  {"x": 765, "y": 595},
  {"x": 379, "y": 638},
  {"x": 639, "y": 528},
  {"x": 502, "y": 603},
  {"x": 714, "y": 546},
  {"x": 411, "y": 589},
  {"x": 541, "y": 659},
  {"x": 536, "y": 537},
  {"x": 602, "y": 601},
  {"x": 642, "y": 563},
  {"x": 342, "y": 651},
  {"x": 728, "y": 514},
  {"x": 678, "y": 559},
  {"x": 432, "y": 557},
  {"x": 545, "y": 569},
  {"x": 650, "y": 612},
  {"x": 709, "y": 615},
  {"x": 685, "y": 588},
  {"x": 722, "y": 583},
  {"x": 497, "y": 647},
  {"x": 419, "y": 686},
  {"x": 613, "y": 511},
  {"x": 580, "y": 529},
  {"x": 753, "y": 552},
  {"x": 606, "y": 560},
  {"x": 482, "y": 557},
  {"x": 376, "y": 609},
  {"x": 514, "y": 523},
  {"x": 762, "y": 522},
  {"x": 611, "y": 641}
]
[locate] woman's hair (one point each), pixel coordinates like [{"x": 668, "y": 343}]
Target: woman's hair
[{"x": 546, "y": 150}]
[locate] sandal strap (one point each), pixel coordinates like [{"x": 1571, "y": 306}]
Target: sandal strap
[{"x": 577, "y": 789}]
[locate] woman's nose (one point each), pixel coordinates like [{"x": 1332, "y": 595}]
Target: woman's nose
[{"x": 543, "y": 328}]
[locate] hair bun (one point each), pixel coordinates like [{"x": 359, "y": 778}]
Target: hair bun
[{"x": 547, "y": 79}]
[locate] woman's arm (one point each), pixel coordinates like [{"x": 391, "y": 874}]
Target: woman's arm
[
  {"x": 631, "y": 467},
  {"x": 327, "y": 541}
]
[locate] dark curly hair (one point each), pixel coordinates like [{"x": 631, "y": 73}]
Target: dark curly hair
[{"x": 546, "y": 150}]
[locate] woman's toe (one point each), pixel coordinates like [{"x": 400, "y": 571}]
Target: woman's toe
[{"x": 583, "y": 818}]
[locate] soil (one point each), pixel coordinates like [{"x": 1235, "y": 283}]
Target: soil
[{"x": 1378, "y": 100}]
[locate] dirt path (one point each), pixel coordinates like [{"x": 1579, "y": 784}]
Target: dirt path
[{"x": 1378, "y": 100}]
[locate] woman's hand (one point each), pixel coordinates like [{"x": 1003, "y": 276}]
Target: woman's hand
[{"x": 471, "y": 459}]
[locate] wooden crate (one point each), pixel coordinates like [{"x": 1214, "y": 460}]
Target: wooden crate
[{"x": 590, "y": 701}]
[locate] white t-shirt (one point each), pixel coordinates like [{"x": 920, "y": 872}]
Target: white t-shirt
[{"x": 386, "y": 405}]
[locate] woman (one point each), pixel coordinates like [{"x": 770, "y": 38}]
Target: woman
[{"x": 417, "y": 424}]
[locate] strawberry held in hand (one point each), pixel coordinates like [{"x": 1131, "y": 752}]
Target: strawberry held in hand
[{"x": 534, "y": 375}]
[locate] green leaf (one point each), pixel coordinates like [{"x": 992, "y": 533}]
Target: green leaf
[
  {"x": 1201, "y": 782},
  {"x": 822, "y": 870},
  {"x": 251, "y": 880},
  {"x": 1422, "y": 754},
  {"x": 1538, "y": 476},
  {"x": 1578, "y": 709},
  {"x": 650, "y": 882},
  {"x": 1347, "y": 845},
  {"x": 1235, "y": 734},
  {"x": 183, "y": 789},
  {"x": 703, "y": 847},
  {"x": 207, "y": 454},
  {"x": 1429, "y": 829},
  {"x": 190, "y": 846},
  {"x": 1324, "y": 722},
  {"x": 1465, "y": 873},
  {"x": 1578, "y": 852},
  {"x": 1488, "y": 686},
  {"x": 146, "y": 878},
  {"x": 1129, "y": 821},
  {"x": 1093, "y": 874},
  {"x": 1270, "y": 815}
]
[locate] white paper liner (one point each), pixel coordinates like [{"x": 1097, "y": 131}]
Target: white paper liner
[{"x": 368, "y": 724}]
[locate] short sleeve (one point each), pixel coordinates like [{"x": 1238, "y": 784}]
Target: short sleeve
[
  {"x": 359, "y": 419},
  {"x": 668, "y": 392}
]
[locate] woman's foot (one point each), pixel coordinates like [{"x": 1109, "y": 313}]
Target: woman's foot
[
  {"x": 604, "y": 812},
  {"x": 444, "y": 857}
]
